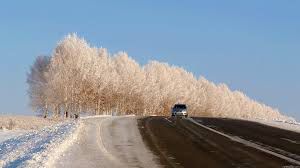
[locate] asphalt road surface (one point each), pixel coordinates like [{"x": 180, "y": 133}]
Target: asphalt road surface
[
  {"x": 278, "y": 140},
  {"x": 208, "y": 142}
]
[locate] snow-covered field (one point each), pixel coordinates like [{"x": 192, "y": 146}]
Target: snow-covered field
[
  {"x": 8, "y": 134},
  {"x": 38, "y": 148},
  {"x": 25, "y": 122},
  {"x": 13, "y": 126}
]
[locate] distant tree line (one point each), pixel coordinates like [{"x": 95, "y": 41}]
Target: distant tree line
[{"x": 80, "y": 78}]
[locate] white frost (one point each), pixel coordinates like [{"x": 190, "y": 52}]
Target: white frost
[{"x": 33, "y": 149}]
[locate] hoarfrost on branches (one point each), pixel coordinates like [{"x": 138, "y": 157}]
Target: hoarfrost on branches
[{"x": 80, "y": 78}]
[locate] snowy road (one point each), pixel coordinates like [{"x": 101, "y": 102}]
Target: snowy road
[{"x": 108, "y": 142}]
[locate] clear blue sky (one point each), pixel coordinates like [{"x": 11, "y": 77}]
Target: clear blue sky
[{"x": 252, "y": 46}]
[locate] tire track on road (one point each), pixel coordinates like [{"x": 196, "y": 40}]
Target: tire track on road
[
  {"x": 101, "y": 144},
  {"x": 191, "y": 145},
  {"x": 247, "y": 143}
]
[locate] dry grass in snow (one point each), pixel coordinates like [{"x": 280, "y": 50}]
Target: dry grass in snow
[{"x": 11, "y": 122}]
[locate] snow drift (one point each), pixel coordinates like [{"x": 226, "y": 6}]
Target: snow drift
[
  {"x": 38, "y": 148},
  {"x": 78, "y": 77}
]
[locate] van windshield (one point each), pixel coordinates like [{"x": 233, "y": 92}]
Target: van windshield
[{"x": 180, "y": 106}]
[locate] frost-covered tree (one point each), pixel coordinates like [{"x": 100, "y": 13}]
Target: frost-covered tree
[
  {"x": 80, "y": 78},
  {"x": 131, "y": 81},
  {"x": 38, "y": 84}
]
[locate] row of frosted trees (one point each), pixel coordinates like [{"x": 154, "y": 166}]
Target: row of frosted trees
[{"x": 80, "y": 78}]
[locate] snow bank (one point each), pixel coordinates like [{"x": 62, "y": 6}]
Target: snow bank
[
  {"x": 25, "y": 122},
  {"x": 36, "y": 148},
  {"x": 287, "y": 125},
  {"x": 58, "y": 150},
  {"x": 95, "y": 116}
]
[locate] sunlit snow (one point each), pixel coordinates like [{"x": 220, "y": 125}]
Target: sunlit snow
[{"x": 31, "y": 149}]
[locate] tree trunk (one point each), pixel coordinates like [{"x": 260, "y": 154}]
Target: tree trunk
[{"x": 46, "y": 111}]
